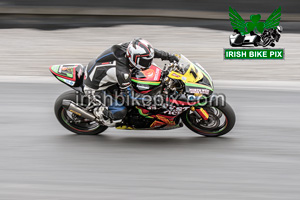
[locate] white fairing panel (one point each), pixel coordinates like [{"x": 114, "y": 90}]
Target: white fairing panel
[
  {"x": 233, "y": 37},
  {"x": 250, "y": 38}
]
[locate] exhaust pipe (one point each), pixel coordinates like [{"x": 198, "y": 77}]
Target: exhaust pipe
[{"x": 70, "y": 106}]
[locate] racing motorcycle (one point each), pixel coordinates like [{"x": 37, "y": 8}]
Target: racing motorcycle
[
  {"x": 236, "y": 39},
  {"x": 187, "y": 86}
]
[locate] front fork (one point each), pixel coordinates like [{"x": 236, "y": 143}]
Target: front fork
[{"x": 200, "y": 112}]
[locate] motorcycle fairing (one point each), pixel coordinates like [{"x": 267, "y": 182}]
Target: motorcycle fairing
[
  {"x": 240, "y": 40},
  {"x": 152, "y": 74},
  {"x": 70, "y": 74},
  {"x": 236, "y": 39},
  {"x": 192, "y": 74},
  {"x": 198, "y": 89},
  {"x": 249, "y": 39},
  {"x": 196, "y": 79},
  {"x": 207, "y": 80},
  {"x": 146, "y": 80},
  {"x": 159, "y": 120},
  {"x": 180, "y": 103}
]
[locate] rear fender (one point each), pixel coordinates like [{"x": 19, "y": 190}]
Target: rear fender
[{"x": 70, "y": 74}]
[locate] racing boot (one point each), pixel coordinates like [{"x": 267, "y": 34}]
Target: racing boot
[{"x": 103, "y": 115}]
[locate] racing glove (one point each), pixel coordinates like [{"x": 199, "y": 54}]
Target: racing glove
[
  {"x": 173, "y": 58},
  {"x": 165, "y": 55}
]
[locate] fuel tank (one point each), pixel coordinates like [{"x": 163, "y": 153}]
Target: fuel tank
[{"x": 147, "y": 80}]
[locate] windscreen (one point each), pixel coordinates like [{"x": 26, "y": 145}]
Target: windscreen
[{"x": 189, "y": 70}]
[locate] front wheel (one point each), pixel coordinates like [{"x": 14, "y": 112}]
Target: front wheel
[
  {"x": 221, "y": 120},
  {"x": 72, "y": 122}
]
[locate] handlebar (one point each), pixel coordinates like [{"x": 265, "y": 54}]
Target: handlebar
[
  {"x": 166, "y": 81},
  {"x": 172, "y": 66}
]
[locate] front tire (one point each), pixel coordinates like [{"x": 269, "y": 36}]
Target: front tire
[
  {"x": 218, "y": 127},
  {"x": 65, "y": 117}
]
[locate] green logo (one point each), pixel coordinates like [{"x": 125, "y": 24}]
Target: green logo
[
  {"x": 252, "y": 34},
  {"x": 238, "y": 23}
]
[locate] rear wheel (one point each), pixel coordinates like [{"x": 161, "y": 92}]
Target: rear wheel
[
  {"x": 73, "y": 122},
  {"x": 221, "y": 120}
]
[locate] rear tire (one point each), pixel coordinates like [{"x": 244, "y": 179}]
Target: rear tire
[
  {"x": 229, "y": 121},
  {"x": 63, "y": 117}
]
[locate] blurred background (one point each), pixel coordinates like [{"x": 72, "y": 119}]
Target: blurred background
[
  {"x": 44, "y": 33},
  {"x": 39, "y": 159}
]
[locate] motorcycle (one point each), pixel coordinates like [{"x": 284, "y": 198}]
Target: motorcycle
[
  {"x": 190, "y": 101},
  {"x": 267, "y": 38},
  {"x": 236, "y": 39},
  {"x": 270, "y": 36}
]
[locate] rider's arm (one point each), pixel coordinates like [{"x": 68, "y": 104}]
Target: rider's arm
[{"x": 165, "y": 55}]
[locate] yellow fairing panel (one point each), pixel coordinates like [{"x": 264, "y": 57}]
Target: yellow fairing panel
[{"x": 192, "y": 75}]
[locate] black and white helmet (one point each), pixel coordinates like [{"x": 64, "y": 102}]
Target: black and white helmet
[
  {"x": 279, "y": 29},
  {"x": 140, "y": 53}
]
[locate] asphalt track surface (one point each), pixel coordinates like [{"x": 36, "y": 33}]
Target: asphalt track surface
[{"x": 258, "y": 159}]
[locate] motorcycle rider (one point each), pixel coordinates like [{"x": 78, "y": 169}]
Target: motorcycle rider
[
  {"x": 270, "y": 36},
  {"x": 112, "y": 70}
]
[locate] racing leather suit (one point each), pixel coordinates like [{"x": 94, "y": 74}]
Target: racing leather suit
[{"x": 110, "y": 71}]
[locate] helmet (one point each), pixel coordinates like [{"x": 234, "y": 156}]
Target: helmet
[
  {"x": 140, "y": 53},
  {"x": 279, "y": 29}
]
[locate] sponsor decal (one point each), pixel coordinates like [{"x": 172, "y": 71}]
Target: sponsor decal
[
  {"x": 173, "y": 110},
  {"x": 126, "y": 76},
  {"x": 69, "y": 82},
  {"x": 149, "y": 73},
  {"x": 254, "y": 33},
  {"x": 106, "y": 63},
  {"x": 79, "y": 73},
  {"x": 156, "y": 74},
  {"x": 199, "y": 90},
  {"x": 176, "y": 75},
  {"x": 77, "y": 113},
  {"x": 64, "y": 69},
  {"x": 142, "y": 87}
]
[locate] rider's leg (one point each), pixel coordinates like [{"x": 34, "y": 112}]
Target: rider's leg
[
  {"x": 117, "y": 110},
  {"x": 114, "y": 110}
]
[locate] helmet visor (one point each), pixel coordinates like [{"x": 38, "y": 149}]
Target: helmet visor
[{"x": 144, "y": 63}]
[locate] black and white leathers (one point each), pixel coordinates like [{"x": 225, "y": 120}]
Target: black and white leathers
[{"x": 112, "y": 67}]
